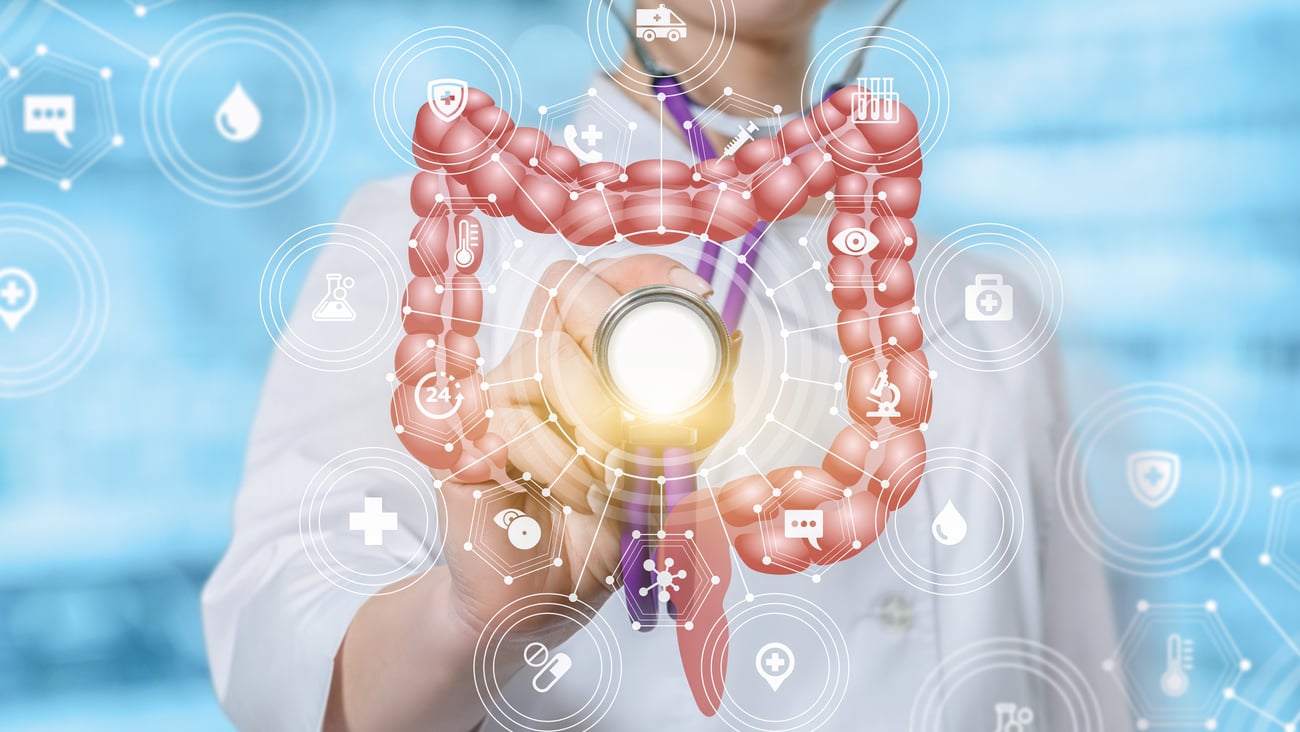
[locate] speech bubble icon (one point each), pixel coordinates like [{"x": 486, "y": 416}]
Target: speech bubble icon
[
  {"x": 52, "y": 113},
  {"x": 804, "y": 524}
]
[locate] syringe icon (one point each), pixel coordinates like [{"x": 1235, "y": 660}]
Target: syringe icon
[{"x": 746, "y": 135}]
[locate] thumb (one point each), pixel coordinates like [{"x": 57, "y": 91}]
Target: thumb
[{"x": 702, "y": 643}]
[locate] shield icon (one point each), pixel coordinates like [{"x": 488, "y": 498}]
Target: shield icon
[
  {"x": 1153, "y": 476},
  {"x": 447, "y": 98}
]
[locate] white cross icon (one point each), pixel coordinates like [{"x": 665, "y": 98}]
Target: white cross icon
[
  {"x": 775, "y": 662},
  {"x": 12, "y": 293},
  {"x": 990, "y": 302},
  {"x": 373, "y": 521},
  {"x": 592, "y": 135}
]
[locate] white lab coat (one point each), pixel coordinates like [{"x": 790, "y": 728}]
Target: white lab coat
[{"x": 273, "y": 623}]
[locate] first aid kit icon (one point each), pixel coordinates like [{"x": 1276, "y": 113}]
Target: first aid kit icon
[{"x": 988, "y": 299}]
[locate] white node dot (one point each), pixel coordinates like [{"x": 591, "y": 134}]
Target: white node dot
[
  {"x": 1214, "y": 723},
  {"x": 934, "y": 375},
  {"x": 1143, "y": 724},
  {"x": 449, "y": 446},
  {"x": 882, "y": 286},
  {"x": 65, "y": 184},
  {"x": 106, "y": 73},
  {"x": 882, "y": 195},
  {"x": 834, "y": 411},
  {"x": 538, "y": 334},
  {"x": 553, "y": 292},
  {"x": 14, "y": 72},
  {"x": 661, "y": 533},
  {"x": 406, "y": 310},
  {"x": 830, "y": 287},
  {"x": 496, "y": 157},
  {"x": 532, "y": 162},
  {"x": 1108, "y": 665},
  {"x": 631, "y": 126},
  {"x": 42, "y": 49},
  {"x": 1245, "y": 664},
  {"x": 413, "y": 244},
  {"x": 636, "y": 534},
  {"x": 689, "y": 534},
  {"x": 816, "y": 264},
  {"x": 519, "y": 243},
  {"x": 884, "y": 483},
  {"x": 769, "y": 417},
  {"x": 439, "y": 198},
  {"x": 923, "y": 426},
  {"x": 785, "y": 333},
  {"x": 662, "y": 229},
  {"x": 552, "y": 417},
  {"x": 1277, "y": 491},
  {"x": 600, "y": 185},
  {"x": 696, "y": 177},
  {"x": 573, "y": 195},
  {"x": 687, "y": 125},
  {"x": 745, "y": 195},
  {"x": 546, "y": 493},
  {"x": 776, "y": 492},
  {"x": 1143, "y": 606},
  {"x": 785, "y": 377},
  {"x": 559, "y": 562},
  {"x": 1211, "y": 606},
  {"x": 636, "y": 625},
  {"x": 767, "y": 560},
  {"x": 390, "y": 378},
  {"x": 492, "y": 289},
  {"x": 1216, "y": 553},
  {"x": 537, "y": 377},
  {"x": 1265, "y": 560},
  {"x": 431, "y": 343},
  {"x": 874, "y": 444},
  {"x": 527, "y": 475},
  {"x": 541, "y": 109},
  {"x": 843, "y": 358},
  {"x": 908, "y": 241},
  {"x": 581, "y": 450},
  {"x": 816, "y": 578},
  {"x": 439, "y": 289},
  {"x": 749, "y": 597},
  {"x": 726, "y": 91},
  {"x": 758, "y": 508},
  {"x": 140, "y": 11},
  {"x": 786, "y": 160},
  {"x": 689, "y": 625},
  {"x": 715, "y": 579},
  {"x": 609, "y": 580},
  {"x": 839, "y": 386},
  {"x": 661, "y": 96},
  {"x": 469, "y": 547},
  {"x": 803, "y": 241},
  {"x": 893, "y": 341},
  {"x": 661, "y": 480},
  {"x": 741, "y": 450},
  {"x": 741, "y": 259},
  {"x": 722, "y": 186},
  {"x": 916, "y": 309},
  {"x": 573, "y": 597},
  {"x": 508, "y": 579},
  {"x": 591, "y": 92},
  {"x": 769, "y": 292},
  {"x": 154, "y": 62},
  {"x": 489, "y": 413},
  {"x": 618, "y": 472},
  {"x": 776, "y": 109},
  {"x": 857, "y": 544},
  {"x": 826, "y": 158},
  {"x": 399, "y": 429},
  {"x": 798, "y": 474}
]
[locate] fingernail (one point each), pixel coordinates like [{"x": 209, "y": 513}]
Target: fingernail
[{"x": 689, "y": 281}]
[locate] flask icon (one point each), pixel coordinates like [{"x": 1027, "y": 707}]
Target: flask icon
[{"x": 334, "y": 308}]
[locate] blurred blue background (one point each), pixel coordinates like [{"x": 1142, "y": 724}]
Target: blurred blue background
[{"x": 1152, "y": 145}]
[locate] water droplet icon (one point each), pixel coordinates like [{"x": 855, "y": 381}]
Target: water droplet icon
[
  {"x": 238, "y": 119},
  {"x": 949, "y": 527}
]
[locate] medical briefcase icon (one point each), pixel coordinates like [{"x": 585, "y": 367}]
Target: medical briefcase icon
[{"x": 988, "y": 299}]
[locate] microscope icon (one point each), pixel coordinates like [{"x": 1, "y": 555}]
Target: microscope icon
[
  {"x": 886, "y": 406},
  {"x": 1012, "y": 717}
]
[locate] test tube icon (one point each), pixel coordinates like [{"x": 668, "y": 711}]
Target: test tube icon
[{"x": 875, "y": 102}]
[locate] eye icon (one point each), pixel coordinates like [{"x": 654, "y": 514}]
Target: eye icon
[{"x": 855, "y": 241}]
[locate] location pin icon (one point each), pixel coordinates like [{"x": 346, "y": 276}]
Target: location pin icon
[
  {"x": 17, "y": 296},
  {"x": 775, "y": 662}
]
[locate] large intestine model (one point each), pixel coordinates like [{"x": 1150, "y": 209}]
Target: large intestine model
[{"x": 481, "y": 161}]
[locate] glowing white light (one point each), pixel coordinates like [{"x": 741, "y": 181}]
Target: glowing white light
[{"x": 664, "y": 357}]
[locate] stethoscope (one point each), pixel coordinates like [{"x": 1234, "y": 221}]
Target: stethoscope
[{"x": 656, "y": 444}]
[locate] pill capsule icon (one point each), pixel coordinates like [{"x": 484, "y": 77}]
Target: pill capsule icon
[{"x": 551, "y": 667}]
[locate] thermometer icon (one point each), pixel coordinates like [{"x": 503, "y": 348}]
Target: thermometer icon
[
  {"x": 468, "y": 242},
  {"x": 1178, "y": 661}
]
